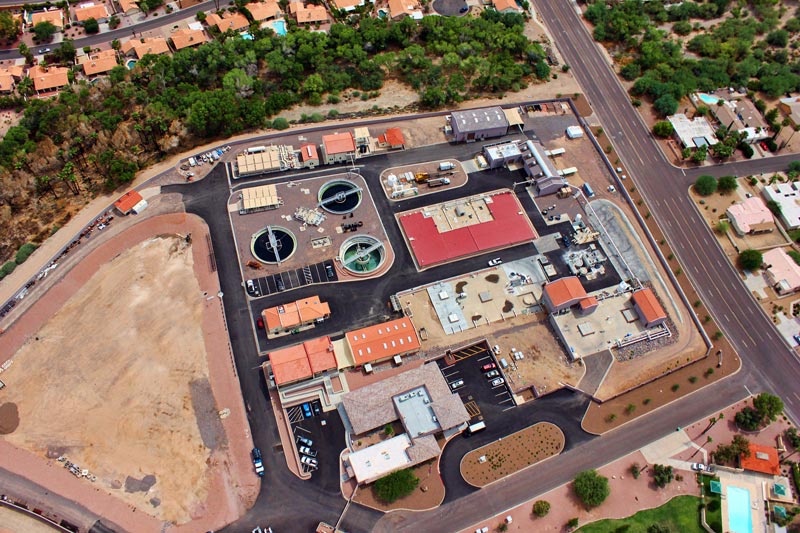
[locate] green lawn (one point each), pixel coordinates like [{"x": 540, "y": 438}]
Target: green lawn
[
  {"x": 713, "y": 505},
  {"x": 681, "y": 515}
]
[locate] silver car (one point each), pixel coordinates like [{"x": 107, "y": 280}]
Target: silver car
[{"x": 310, "y": 461}]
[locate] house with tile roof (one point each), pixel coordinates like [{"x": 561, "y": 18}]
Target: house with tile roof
[
  {"x": 284, "y": 318},
  {"x": 48, "y": 79},
  {"x": 188, "y": 38},
  {"x": 98, "y": 63},
  {"x": 264, "y": 11},
  {"x": 84, "y": 12},
  {"x": 228, "y": 21},
  {"x": 309, "y": 13},
  {"x": 149, "y": 45},
  {"x": 54, "y": 16}
]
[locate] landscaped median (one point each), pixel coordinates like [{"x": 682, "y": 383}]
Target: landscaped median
[{"x": 511, "y": 454}]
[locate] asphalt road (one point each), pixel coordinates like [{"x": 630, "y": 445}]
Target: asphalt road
[{"x": 148, "y": 24}]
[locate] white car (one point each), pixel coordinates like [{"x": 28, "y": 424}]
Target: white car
[
  {"x": 457, "y": 384},
  {"x": 494, "y": 262},
  {"x": 305, "y": 450},
  {"x": 497, "y": 382},
  {"x": 698, "y": 467},
  {"x": 310, "y": 461}
]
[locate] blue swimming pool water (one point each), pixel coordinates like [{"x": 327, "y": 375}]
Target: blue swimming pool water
[
  {"x": 382, "y": 13},
  {"x": 247, "y": 37},
  {"x": 130, "y": 64},
  {"x": 740, "y": 518},
  {"x": 708, "y": 98},
  {"x": 279, "y": 26}
]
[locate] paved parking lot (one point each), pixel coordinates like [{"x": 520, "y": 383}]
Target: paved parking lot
[
  {"x": 326, "y": 431},
  {"x": 291, "y": 279},
  {"x": 481, "y": 399}
]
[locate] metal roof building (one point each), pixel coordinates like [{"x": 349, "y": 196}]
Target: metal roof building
[{"x": 478, "y": 124}]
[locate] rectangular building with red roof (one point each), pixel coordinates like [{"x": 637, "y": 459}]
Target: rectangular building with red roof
[
  {"x": 301, "y": 362},
  {"x": 648, "y": 308},
  {"x": 564, "y": 293},
  {"x": 763, "y": 459},
  {"x": 338, "y": 148},
  {"x": 383, "y": 341},
  {"x": 130, "y": 202}
]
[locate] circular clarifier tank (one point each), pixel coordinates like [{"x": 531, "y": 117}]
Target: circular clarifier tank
[
  {"x": 273, "y": 244},
  {"x": 362, "y": 254},
  {"x": 339, "y": 197}
]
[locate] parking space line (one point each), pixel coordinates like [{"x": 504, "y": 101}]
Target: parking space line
[
  {"x": 452, "y": 374},
  {"x": 484, "y": 358},
  {"x": 302, "y": 428},
  {"x": 504, "y": 392},
  {"x": 506, "y": 400},
  {"x": 507, "y": 408}
]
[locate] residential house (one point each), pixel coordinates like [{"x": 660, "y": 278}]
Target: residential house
[
  {"x": 791, "y": 107},
  {"x": 346, "y": 5},
  {"x": 783, "y": 274},
  {"x": 309, "y": 13},
  {"x": 9, "y": 77},
  {"x": 787, "y": 196},
  {"x": 692, "y": 133},
  {"x": 399, "y": 9},
  {"x": 228, "y": 21},
  {"x": 263, "y": 11},
  {"x": 187, "y": 38},
  {"x": 148, "y": 45},
  {"x": 128, "y": 7},
  {"x": 48, "y": 79},
  {"x": 506, "y": 6},
  {"x": 743, "y": 117},
  {"x": 751, "y": 216},
  {"x": 54, "y": 16},
  {"x": 98, "y": 63},
  {"x": 84, "y": 12},
  {"x": 393, "y": 139}
]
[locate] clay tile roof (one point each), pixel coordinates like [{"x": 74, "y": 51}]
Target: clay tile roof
[
  {"x": 394, "y": 137},
  {"x": 762, "y": 459},
  {"x": 295, "y": 313},
  {"x": 93, "y": 11},
  {"x": 263, "y": 10},
  {"x": 649, "y": 305},
  {"x": 53, "y": 16},
  {"x": 320, "y": 354},
  {"x": 308, "y": 151},
  {"x": 151, "y": 45},
  {"x": 290, "y": 364},
  {"x": 99, "y": 63},
  {"x": 50, "y": 78},
  {"x": 127, "y": 201},
  {"x": 127, "y": 5},
  {"x": 310, "y": 13},
  {"x": 6, "y": 82},
  {"x": 564, "y": 290},
  {"x": 503, "y": 5},
  {"x": 589, "y": 302},
  {"x": 229, "y": 21},
  {"x": 382, "y": 341},
  {"x": 345, "y": 4},
  {"x": 185, "y": 38},
  {"x": 339, "y": 143}
]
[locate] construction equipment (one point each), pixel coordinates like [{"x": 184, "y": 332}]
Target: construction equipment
[{"x": 422, "y": 177}]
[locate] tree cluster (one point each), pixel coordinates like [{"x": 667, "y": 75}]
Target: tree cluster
[
  {"x": 396, "y": 485},
  {"x": 766, "y": 408},
  {"x": 750, "y": 259},
  {"x": 729, "y": 453},
  {"x": 591, "y": 488},
  {"x": 663, "y": 475}
]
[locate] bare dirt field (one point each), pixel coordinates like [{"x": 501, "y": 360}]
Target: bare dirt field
[
  {"x": 12, "y": 521},
  {"x": 117, "y": 380},
  {"x": 511, "y": 454}
]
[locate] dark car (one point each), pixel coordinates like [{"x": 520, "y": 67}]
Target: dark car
[
  {"x": 464, "y": 9},
  {"x": 329, "y": 271},
  {"x": 279, "y": 283},
  {"x": 259, "y": 466}
]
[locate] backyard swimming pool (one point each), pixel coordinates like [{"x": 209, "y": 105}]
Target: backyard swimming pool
[
  {"x": 740, "y": 519},
  {"x": 709, "y": 99},
  {"x": 279, "y": 26}
]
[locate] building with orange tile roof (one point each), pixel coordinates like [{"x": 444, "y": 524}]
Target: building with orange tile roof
[
  {"x": 47, "y": 79},
  {"x": 404, "y": 8},
  {"x": 91, "y": 11},
  {"x": 7, "y": 82},
  {"x": 262, "y": 11},
  {"x": 338, "y": 148},
  {"x": 53, "y": 16},
  {"x": 763, "y": 459},
  {"x": 286, "y": 317},
  {"x": 382, "y": 341},
  {"x": 228, "y": 21},
  {"x": 186, "y": 38},
  {"x": 129, "y": 202},
  {"x": 346, "y": 5},
  {"x": 149, "y": 45},
  {"x": 18, "y": 71},
  {"x": 392, "y": 139},
  {"x": 566, "y": 292},
  {"x": 648, "y": 308},
  {"x": 506, "y": 6},
  {"x": 309, "y": 14},
  {"x": 98, "y": 62},
  {"x": 128, "y": 6},
  {"x": 302, "y": 361},
  {"x": 309, "y": 156}
]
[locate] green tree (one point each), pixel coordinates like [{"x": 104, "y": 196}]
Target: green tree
[
  {"x": 727, "y": 184},
  {"x": 663, "y": 475},
  {"x": 91, "y": 26},
  {"x": 663, "y": 129},
  {"x": 722, "y": 227},
  {"x": 396, "y": 485},
  {"x": 43, "y": 31},
  {"x": 748, "y": 419},
  {"x": 750, "y": 259},
  {"x": 280, "y": 123},
  {"x": 768, "y": 405},
  {"x": 24, "y": 252},
  {"x": 591, "y": 488},
  {"x": 9, "y": 26},
  {"x": 705, "y": 185},
  {"x": 700, "y": 154},
  {"x": 572, "y": 523},
  {"x": 541, "y": 508},
  {"x": 682, "y": 27},
  {"x": 666, "y": 105},
  {"x": 114, "y": 22},
  {"x": 779, "y": 38}
]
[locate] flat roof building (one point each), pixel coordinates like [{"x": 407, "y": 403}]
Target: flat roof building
[
  {"x": 261, "y": 198},
  {"x": 783, "y": 274},
  {"x": 791, "y": 106},
  {"x": 787, "y": 196},
  {"x": 649, "y": 309},
  {"x": 382, "y": 341},
  {"x": 502, "y": 154},
  {"x": 302, "y": 361},
  {"x": 692, "y": 133},
  {"x": 750, "y": 216},
  {"x": 286, "y": 317},
  {"x": 564, "y": 293},
  {"x": 478, "y": 124}
]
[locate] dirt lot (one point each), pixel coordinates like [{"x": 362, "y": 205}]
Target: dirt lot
[
  {"x": 15, "y": 522},
  {"x": 429, "y": 494},
  {"x": 511, "y": 454},
  {"x": 129, "y": 397}
]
